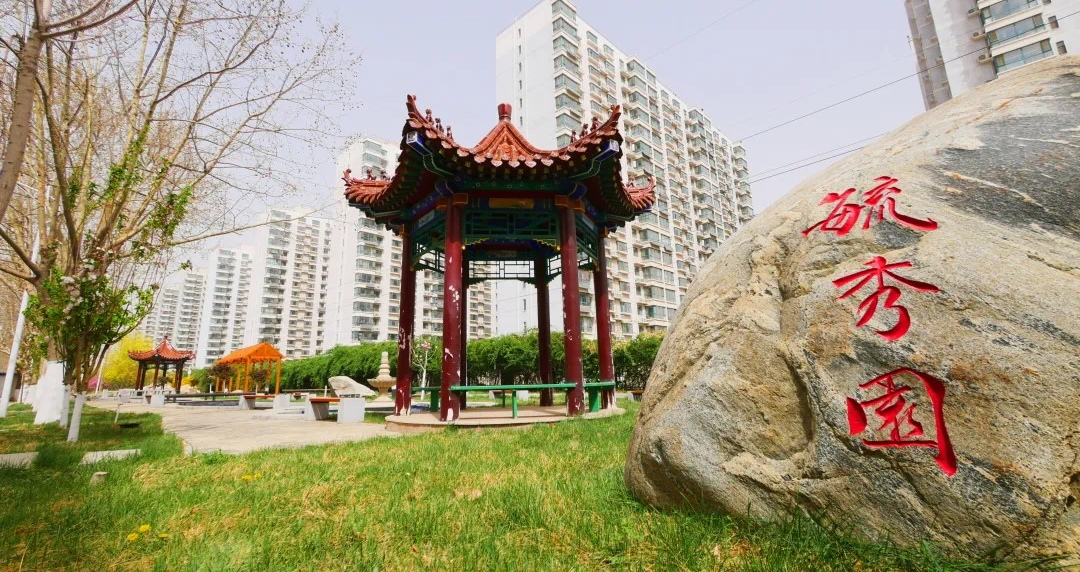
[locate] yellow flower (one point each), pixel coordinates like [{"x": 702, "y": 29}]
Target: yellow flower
[
  {"x": 258, "y": 475},
  {"x": 133, "y": 537},
  {"x": 144, "y": 528},
  {"x": 163, "y": 536},
  {"x": 247, "y": 477}
]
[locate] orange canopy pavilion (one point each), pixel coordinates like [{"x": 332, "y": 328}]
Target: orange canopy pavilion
[
  {"x": 504, "y": 210},
  {"x": 262, "y": 353},
  {"x": 161, "y": 357}
]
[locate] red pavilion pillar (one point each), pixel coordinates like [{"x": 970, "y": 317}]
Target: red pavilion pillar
[
  {"x": 575, "y": 398},
  {"x": 179, "y": 376},
  {"x": 543, "y": 328},
  {"x": 406, "y": 322},
  {"x": 449, "y": 406},
  {"x": 139, "y": 377},
  {"x": 603, "y": 320},
  {"x": 463, "y": 397},
  {"x": 157, "y": 369}
]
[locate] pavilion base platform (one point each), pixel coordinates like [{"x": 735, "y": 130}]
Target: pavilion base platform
[{"x": 489, "y": 417}]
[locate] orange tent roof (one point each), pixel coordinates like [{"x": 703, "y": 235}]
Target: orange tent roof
[{"x": 253, "y": 354}]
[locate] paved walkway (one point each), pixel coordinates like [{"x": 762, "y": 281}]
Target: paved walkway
[
  {"x": 229, "y": 430},
  {"x": 481, "y": 417}
]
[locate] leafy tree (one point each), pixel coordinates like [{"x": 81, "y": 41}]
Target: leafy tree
[
  {"x": 119, "y": 370},
  {"x": 634, "y": 360},
  {"x": 427, "y": 360}
]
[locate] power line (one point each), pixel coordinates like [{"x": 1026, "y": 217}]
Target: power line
[
  {"x": 826, "y": 88},
  {"x": 700, "y": 30},
  {"x": 816, "y": 155},
  {"x": 878, "y": 88},
  {"x": 807, "y": 165}
]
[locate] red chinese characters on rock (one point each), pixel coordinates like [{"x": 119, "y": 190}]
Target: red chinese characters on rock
[
  {"x": 877, "y": 201},
  {"x": 879, "y": 270},
  {"x": 897, "y": 416}
]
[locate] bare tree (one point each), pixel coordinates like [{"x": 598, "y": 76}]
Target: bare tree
[
  {"x": 162, "y": 114},
  {"x": 40, "y": 30}
]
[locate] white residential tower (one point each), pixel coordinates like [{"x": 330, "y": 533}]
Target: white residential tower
[{"x": 558, "y": 73}]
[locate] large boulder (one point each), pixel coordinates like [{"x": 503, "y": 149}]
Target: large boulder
[
  {"x": 345, "y": 386},
  {"x": 904, "y": 356}
]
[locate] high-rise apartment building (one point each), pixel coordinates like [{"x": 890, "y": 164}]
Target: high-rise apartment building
[
  {"x": 289, "y": 277},
  {"x": 162, "y": 318},
  {"x": 225, "y": 305},
  {"x": 364, "y": 278},
  {"x": 558, "y": 73},
  {"x": 178, "y": 311},
  {"x": 189, "y": 310},
  {"x": 961, "y": 44}
]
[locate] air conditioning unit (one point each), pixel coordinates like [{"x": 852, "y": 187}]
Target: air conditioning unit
[
  {"x": 977, "y": 35},
  {"x": 984, "y": 58},
  {"x": 973, "y": 11}
]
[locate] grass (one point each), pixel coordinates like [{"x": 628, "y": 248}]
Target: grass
[
  {"x": 18, "y": 434},
  {"x": 544, "y": 498}
]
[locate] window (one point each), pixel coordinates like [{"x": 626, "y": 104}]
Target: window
[
  {"x": 1006, "y": 8},
  {"x": 562, "y": 140},
  {"x": 1061, "y": 48},
  {"x": 1022, "y": 56},
  {"x": 561, "y": 43},
  {"x": 519, "y": 84},
  {"x": 564, "y": 100},
  {"x": 519, "y": 67},
  {"x": 563, "y": 26},
  {"x": 591, "y": 37},
  {"x": 564, "y": 121},
  {"x": 560, "y": 7},
  {"x": 521, "y": 103},
  {"x": 563, "y": 62},
  {"x": 519, "y": 32},
  {"x": 519, "y": 49},
  {"x": 1016, "y": 30}
]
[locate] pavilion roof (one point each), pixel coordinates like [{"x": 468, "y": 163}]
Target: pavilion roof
[
  {"x": 252, "y": 354},
  {"x": 163, "y": 352},
  {"x": 503, "y": 154}
]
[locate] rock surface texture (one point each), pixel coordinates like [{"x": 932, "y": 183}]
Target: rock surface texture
[{"x": 904, "y": 357}]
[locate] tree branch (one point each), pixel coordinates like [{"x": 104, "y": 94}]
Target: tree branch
[
  {"x": 29, "y": 279},
  {"x": 21, "y": 254},
  {"x": 90, "y": 25},
  {"x": 237, "y": 229}
]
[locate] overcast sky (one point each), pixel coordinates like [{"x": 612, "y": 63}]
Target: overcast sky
[
  {"x": 751, "y": 64},
  {"x": 763, "y": 63}
]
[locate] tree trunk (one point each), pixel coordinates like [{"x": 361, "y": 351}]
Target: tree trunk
[
  {"x": 76, "y": 418},
  {"x": 22, "y": 108},
  {"x": 65, "y": 406}
]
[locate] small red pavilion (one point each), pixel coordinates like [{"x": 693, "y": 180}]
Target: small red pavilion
[
  {"x": 161, "y": 358},
  {"x": 503, "y": 210}
]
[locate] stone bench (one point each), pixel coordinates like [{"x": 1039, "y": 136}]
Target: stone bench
[{"x": 350, "y": 409}]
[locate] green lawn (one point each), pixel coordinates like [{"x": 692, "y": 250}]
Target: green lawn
[
  {"x": 544, "y": 498},
  {"x": 18, "y": 434}
]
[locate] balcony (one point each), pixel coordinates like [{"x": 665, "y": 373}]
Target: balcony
[
  {"x": 994, "y": 11},
  {"x": 1022, "y": 56}
]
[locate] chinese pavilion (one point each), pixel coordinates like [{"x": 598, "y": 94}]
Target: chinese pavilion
[
  {"x": 503, "y": 210},
  {"x": 161, "y": 358}
]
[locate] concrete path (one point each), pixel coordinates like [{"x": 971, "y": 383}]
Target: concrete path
[{"x": 229, "y": 430}]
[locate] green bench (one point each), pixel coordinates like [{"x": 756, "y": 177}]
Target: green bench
[{"x": 593, "y": 389}]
